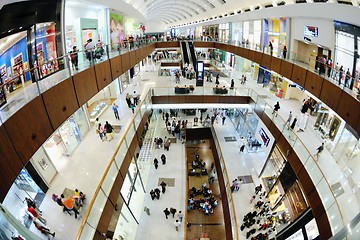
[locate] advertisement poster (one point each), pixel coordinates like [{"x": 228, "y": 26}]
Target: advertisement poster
[{"x": 117, "y": 30}]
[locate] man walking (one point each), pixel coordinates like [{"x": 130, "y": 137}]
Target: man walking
[
  {"x": 156, "y": 162},
  {"x": 177, "y": 225},
  {"x": 319, "y": 150},
  {"x": 163, "y": 159},
  {"x": 166, "y": 212},
  {"x": 173, "y": 211},
  {"x": 163, "y": 187},
  {"x": 180, "y": 216},
  {"x": 157, "y": 193},
  {"x": 116, "y": 111},
  {"x": 288, "y": 121}
]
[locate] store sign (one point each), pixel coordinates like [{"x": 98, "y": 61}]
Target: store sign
[
  {"x": 310, "y": 31},
  {"x": 264, "y": 137},
  {"x": 297, "y": 86}
]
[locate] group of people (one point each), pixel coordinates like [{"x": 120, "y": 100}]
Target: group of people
[
  {"x": 93, "y": 52},
  {"x": 202, "y": 199},
  {"x": 35, "y": 214},
  {"x": 132, "y": 101},
  {"x": 173, "y": 211},
  {"x": 259, "y": 223},
  {"x": 175, "y": 128},
  {"x": 71, "y": 204},
  {"x": 105, "y": 132},
  {"x": 163, "y": 160}
]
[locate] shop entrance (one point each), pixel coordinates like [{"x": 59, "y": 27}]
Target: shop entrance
[{"x": 23, "y": 187}]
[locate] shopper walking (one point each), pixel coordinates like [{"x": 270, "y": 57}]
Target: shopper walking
[
  {"x": 276, "y": 109},
  {"x": 101, "y": 132},
  {"x": 232, "y": 84},
  {"x": 135, "y": 98},
  {"x": 109, "y": 131},
  {"x": 166, "y": 212},
  {"x": 319, "y": 150},
  {"x": 271, "y": 48},
  {"x": 180, "y": 216},
  {"x": 128, "y": 100},
  {"x": 341, "y": 72},
  {"x": 177, "y": 225},
  {"x": 173, "y": 211},
  {"x": 163, "y": 187},
  {"x": 74, "y": 58},
  {"x": 157, "y": 193},
  {"x": 217, "y": 79},
  {"x": 284, "y": 51},
  {"x": 152, "y": 194},
  {"x": 116, "y": 111},
  {"x": 163, "y": 159},
  {"x": 36, "y": 215},
  {"x": 223, "y": 120},
  {"x": 42, "y": 229},
  {"x": 292, "y": 126},
  {"x": 288, "y": 121},
  {"x": 156, "y": 162}
]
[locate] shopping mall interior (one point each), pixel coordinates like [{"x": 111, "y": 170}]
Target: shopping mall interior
[{"x": 159, "y": 119}]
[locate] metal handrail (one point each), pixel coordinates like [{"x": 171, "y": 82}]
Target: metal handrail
[
  {"x": 107, "y": 170},
  {"x": 227, "y": 176}
]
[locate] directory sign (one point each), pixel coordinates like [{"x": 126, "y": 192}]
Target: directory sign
[{"x": 200, "y": 73}]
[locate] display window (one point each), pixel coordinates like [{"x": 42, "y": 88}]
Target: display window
[
  {"x": 23, "y": 187},
  {"x": 286, "y": 196},
  {"x": 272, "y": 169}
]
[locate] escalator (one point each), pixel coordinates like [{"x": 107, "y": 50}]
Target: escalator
[
  {"x": 166, "y": 54},
  {"x": 192, "y": 54},
  {"x": 184, "y": 51}
]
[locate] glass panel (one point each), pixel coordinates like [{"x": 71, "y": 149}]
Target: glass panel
[
  {"x": 81, "y": 121},
  {"x": 137, "y": 198},
  {"x": 335, "y": 219},
  {"x": 130, "y": 134},
  {"x": 110, "y": 178},
  {"x": 120, "y": 155},
  {"x": 325, "y": 194},
  {"x": 87, "y": 233},
  {"x": 127, "y": 186},
  {"x": 126, "y": 226},
  {"x": 301, "y": 150},
  {"x": 137, "y": 120},
  {"x": 97, "y": 208},
  {"x": 160, "y": 91},
  {"x": 313, "y": 170}
]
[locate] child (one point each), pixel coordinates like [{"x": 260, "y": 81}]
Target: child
[{"x": 132, "y": 108}]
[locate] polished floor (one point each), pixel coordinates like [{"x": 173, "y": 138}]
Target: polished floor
[{"x": 84, "y": 168}]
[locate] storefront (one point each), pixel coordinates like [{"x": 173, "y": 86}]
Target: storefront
[
  {"x": 84, "y": 21},
  {"x": 211, "y": 31},
  {"x": 237, "y": 33},
  {"x": 284, "y": 192},
  {"x": 97, "y": 105},
  {"x": 224, "y": 32},
  {"x": 252, "y": 33},
  {"x": 347, "y": 44},
  {"x": 63, "y": 142},
  {"x": 23, "y": 187},
  {"x": 274, "y": 31}
]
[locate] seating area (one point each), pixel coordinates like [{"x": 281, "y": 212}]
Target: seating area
[
  {"x": 218, "y": 90},
  {"x": 184, "y": 90},
  {"x": 204, "y": 210}
]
